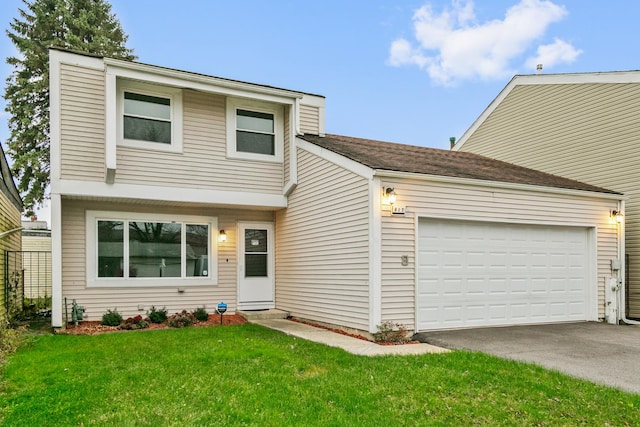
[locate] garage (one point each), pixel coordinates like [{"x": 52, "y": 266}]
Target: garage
[{"x": 476, "y": 273}]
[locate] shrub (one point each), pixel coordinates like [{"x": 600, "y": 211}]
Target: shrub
[
  {"x": 136, "y": 322},
  {"x": 181, "y": 320},
  {"x": 10, "y": 340},
  {"x": 112, "y": 318},
  {"x": 391, "y": 332},
  {"x": 201, "y": 314},
  {"x": 157, "y": 315}
]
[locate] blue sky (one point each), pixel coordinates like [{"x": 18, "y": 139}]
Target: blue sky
[
  {"x": 343, "y": 50},
  {"x": 413, "y": 71}
]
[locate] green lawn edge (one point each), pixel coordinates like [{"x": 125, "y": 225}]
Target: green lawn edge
[{"x": 250, "y": 375}]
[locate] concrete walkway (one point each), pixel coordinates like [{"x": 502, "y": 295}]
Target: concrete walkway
[{"x": 350, "y": 344}]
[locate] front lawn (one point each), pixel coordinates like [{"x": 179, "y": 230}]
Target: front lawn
[{"x": 249, "y": 375}]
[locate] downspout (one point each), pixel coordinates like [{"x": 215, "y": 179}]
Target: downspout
[
  {"x": 622, "y": 304},
  {"x": 294, "y": 119}
]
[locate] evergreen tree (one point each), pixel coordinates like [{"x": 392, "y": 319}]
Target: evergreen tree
[{"x": 80, "y": 25}]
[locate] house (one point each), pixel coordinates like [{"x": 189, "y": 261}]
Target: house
[
  {"x": 36, "y": 263},
  {"x": 583, "y": 126},
  {"x": 171, "y": 188},
  {"x": 10, "y": 210}
]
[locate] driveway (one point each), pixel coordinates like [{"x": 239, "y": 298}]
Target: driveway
[{"x": 599, "y": 352}]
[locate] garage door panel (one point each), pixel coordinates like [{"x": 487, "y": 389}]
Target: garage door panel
[{"x": 489, "y": 274}]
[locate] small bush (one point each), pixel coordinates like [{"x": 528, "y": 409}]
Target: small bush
[
  {"x": 201, "y": 314},
  {"x": 10, "y": 340},
  {"x": 391, "y": 332},
  {"x": 112, "y": 318},
  {"x": 157, "y": 315},
  {"x": 136, "y": 322},
  {"x": 181, "y": 320}
]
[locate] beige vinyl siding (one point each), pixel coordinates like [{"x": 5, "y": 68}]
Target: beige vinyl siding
[
  {"x": 126, "y": 299},
  {"x": 203, "y": 162},
  {"x": 588, "y": 132},
  {"x": 36, "y": 261},
  {"x": 322, "y": 246},
  {"x": 36, "y": 243},
  {"x": 309, "y": 119},
  {"x": 457, "y": 201},
  {"x": 81, "y": 123},
  {"x": 9, "y": 220},
  {"x": 37, "y": 271}
]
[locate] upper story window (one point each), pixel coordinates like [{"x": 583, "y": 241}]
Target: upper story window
[
  {"x": 255, "y": 130},
  {"x": 149, "y": 116}
]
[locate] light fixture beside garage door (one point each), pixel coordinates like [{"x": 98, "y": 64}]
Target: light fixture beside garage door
[
  {"x": 390, "y": 195},
  {"x": 389, "y": 199},
  {"x": 617, "y": 215}
]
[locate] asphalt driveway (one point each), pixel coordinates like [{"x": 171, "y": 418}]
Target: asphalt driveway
[{"x": 599, "y": 352}]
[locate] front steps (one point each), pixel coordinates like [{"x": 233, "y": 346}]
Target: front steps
[{"x": 273, "y": 313}]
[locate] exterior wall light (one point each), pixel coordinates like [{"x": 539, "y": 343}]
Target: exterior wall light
[
  {"x": 223, "y": 236},
  {"x": 617, "y": 215},
  {"x": 391, "y": 195}
]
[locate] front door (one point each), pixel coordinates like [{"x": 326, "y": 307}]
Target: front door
[{"x": 255, "y": 266}]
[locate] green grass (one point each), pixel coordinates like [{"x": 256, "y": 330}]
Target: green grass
[{"x": 249, "y": 375}]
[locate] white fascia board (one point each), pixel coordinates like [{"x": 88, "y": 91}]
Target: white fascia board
[
  {"x": 313, "y": 100},
  {"x": 485, "y": 114},
  {"x": 92, "y": 189},
  {"x": 375, "y": 254},
  {"x": 338, "y": 159},
  {"x": 170, "y": 77},
  {"x": 499, "y": 184},
  {"x": 547, "y": 79}
]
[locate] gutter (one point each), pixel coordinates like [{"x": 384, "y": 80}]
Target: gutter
[
  {"x": 9, "y": 232},
  {"x": 202, "y": 78},
  {"x": 499, "y": 184}
]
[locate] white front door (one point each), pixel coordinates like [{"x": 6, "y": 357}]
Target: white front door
[{"x": 256, "y": 266}]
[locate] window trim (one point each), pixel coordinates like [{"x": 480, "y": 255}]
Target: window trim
[
  {"x": 175, "y": 97},
  {"x": 235, "y": 104},
  {"x": 91, "y": 225}
]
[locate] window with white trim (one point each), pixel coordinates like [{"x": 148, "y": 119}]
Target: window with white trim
[
  {"x": 136, "y": 249},
  {"x": 255, "y": 130},
  {"x": 149, "y": 116}
]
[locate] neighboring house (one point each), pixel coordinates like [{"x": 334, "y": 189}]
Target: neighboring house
[
  {"x": 582, "y": 126},
  {"x": 10, "y": 210},
  {"x": 36, "y": 261},
  {"x": 177, "y": 189}
]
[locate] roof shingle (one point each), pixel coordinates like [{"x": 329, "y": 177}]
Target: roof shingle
[{"x": 390, "y": 156}]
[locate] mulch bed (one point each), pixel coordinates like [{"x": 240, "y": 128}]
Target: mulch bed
[
  {"x": 341, "y": 332},
  {"x": 95, "y": 327}
]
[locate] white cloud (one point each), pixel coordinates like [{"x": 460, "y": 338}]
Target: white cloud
[
  {"x": 452, "y": 46},
  {"x": 550, "y": 55},
  {"x": 403, "y": 54}
]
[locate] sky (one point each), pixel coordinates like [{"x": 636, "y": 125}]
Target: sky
[{"x": 414, "y": 71}]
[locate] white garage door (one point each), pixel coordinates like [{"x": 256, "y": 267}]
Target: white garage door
[{"x": 487, "y": 274}]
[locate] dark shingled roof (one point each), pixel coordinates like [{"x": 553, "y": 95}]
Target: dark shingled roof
[{"x": 431, "y": 161}]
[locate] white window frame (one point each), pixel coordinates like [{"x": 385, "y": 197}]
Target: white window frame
[
  {"x": 175, "y": 97},
  {"x": 235, "y": 104},
  {"x": 92, "y": 218}
]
